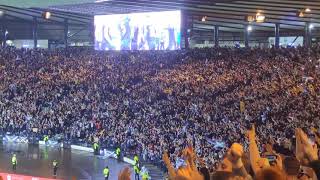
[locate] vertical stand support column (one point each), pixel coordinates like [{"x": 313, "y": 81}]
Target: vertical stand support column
[
  {"x": 277, "y": 35},
  {"x": 66, "y": 29},
  {"x": 3, "y": 31},
  {"x": 186, "y": 39},
  {"x": 35, "y": 32},
  {"x": 246, "y": 36},
  {"x": 216, "y": 36},
  {"x": 184, "y": 30},
  {"x": 307, "y": 35}
]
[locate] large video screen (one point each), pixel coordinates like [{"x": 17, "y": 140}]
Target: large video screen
[{"x": 138, "y": 31}]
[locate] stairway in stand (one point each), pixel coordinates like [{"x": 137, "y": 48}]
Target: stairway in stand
[{"x": 155, "y": 172}]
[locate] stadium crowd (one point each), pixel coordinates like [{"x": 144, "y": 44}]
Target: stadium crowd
[{"x": 149, "y": 101}]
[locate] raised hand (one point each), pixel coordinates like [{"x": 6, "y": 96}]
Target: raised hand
[
  {"x": 234, "y": 155},
  {"x": 190, "y": 156},
  {"x": 251, "y": 133},
  {"x": 124, "y": 174},
  {"x": 188, "y": 173},
  {"x": 305, "y": 150},
  {"x": 171, "y": 170}
]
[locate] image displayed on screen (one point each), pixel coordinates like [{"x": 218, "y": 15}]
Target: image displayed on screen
[{"x": 138, "y": 31}]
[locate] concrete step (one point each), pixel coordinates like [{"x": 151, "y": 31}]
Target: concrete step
[{"x": 155, "y": 172}]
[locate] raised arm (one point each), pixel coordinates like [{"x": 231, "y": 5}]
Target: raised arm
[
  {"x": 171, "y": 170},
  {"x": 257, "y": 163},
  {"x": 305, "y": 150}
]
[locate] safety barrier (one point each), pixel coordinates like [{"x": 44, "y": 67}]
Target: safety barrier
[
  {"x": 129, "y": 161},
  {"x": 52, "y": 143},
  {"x": 81, "y": 148},
  {"x": 6, "y": 176},
  {"x": 15, "y": 139},
  {"x": 103, "y": 152}
]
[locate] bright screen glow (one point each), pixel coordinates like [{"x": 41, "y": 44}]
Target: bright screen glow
[{"x": 138, "y": 31}]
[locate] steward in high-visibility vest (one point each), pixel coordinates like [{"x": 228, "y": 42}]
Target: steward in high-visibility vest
[
  {"x": 106, "y": 173},
  {"x": 96, "y": 148},
  {"x": 136, "y": 172},
  {"x": 55, "y": 167},
  {"x": 136, "y": 160},
  {"x": 14, "y": 162},
  {"x": 46, "y": 139},
  {"x": 118, "y": 153},
  {"x": 145, "y": 176}
]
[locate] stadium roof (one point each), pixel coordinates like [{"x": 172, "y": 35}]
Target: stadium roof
[
  {"x": 225, "y": 13},
  {"x": 229, "y": 15},
  {"x": 41, "y": 3}
]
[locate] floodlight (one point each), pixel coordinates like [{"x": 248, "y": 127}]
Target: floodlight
[
  {"x": 46, "y": 15},
  {"x": 250, "y": 18},
  {"x": 311, "y": 26},
  {"x": 260, "y": 17},
  {"x": 300, "y": 14}
]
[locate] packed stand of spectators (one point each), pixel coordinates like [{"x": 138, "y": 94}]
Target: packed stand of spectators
[
  {"x": 239, "y": 163},
  {"x": 148, "y": 101}
]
